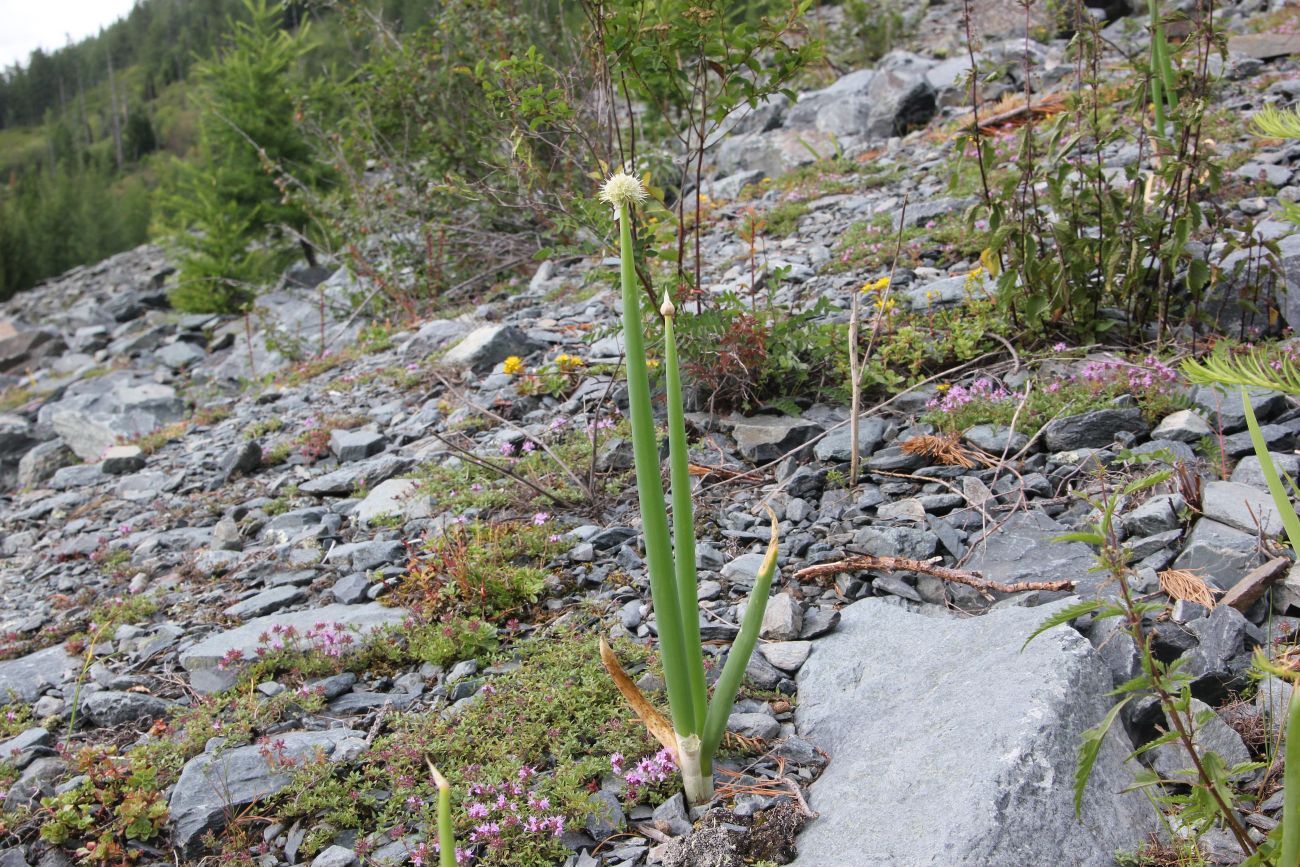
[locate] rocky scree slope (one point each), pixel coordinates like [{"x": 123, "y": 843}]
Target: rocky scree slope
[{"x": 150, "y": 492}]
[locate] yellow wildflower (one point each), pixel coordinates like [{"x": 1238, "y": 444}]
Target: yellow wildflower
[
  {"x": 876, "y": 285},
  {"x": 567, "y": 363},
  {"x": 513, "y": 365}
]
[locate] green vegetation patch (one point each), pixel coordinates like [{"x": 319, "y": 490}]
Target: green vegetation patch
[{"x": 536, "y": 739}]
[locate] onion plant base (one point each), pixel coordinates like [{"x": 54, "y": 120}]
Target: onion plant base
[{"x": 694, "y": 758}]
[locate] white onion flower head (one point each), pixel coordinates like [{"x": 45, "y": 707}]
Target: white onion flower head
[{"x": 622, "y": 189}]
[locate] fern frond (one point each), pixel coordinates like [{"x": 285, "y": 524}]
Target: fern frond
[
  {"x": 1257, "y": 368},
  {"x": 1271, "y": 122}
]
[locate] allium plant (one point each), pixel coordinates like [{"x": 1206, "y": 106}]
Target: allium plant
[{"x": 697, "y": 725}]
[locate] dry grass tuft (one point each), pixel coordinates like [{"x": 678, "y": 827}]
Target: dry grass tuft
[
  {"x": 1181, "y": 584},
  {"x": 942, "y": 449}
]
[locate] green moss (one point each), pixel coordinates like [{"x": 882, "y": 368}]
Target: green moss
[
  {"x": 783, "y": 219},
  {"x": 549, "y": 724}
]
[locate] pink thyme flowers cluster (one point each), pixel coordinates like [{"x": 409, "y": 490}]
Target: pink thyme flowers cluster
[
  {"x": 647, "y": 772},
  {"x": 958, "y": 396},
  {"x": 1151, "y": 373},
  {"x": 510, "y": 806},
  {"x": 330, "y": 639},
  {"x": 426, "y": 854}
]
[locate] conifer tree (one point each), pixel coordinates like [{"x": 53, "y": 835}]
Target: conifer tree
[{"x": 227, "y": 212}]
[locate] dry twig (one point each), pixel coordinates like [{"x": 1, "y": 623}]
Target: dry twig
[{"x": 903, "y": 564}]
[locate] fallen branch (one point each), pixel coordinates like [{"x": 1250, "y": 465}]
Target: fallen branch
[{"x": 903, "y": 564}]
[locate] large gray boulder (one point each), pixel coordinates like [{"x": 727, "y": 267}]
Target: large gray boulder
[
  {"x": 28, "y": 676},
  {"x": 214, "y": 786},
  {"x": 489, "y": 345},
  {"x": 950, "y": 746},
  {"x": 96, "y": 414}
]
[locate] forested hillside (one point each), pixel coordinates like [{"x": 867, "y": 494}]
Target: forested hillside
[{"x": 87, "y": 131}]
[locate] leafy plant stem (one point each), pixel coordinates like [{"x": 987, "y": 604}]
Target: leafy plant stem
[{"x": 654, "y": 518}]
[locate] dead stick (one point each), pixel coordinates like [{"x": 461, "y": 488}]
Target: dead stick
[{"x": 903, "y": 564}]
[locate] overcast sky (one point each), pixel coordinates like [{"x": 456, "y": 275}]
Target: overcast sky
[{"x": 26, "y": 25}]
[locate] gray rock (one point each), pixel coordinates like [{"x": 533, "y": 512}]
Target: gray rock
[
  {"x": 1248, "y": 471},
  {"x": 180, "y": 355},
  {"x": 362, "y": 474},
  {"x": 1288, "y": 290},
  {"x": 996, "y": 759},
  {"x": 742, "y": 570},
  {"x": 28, "y": 676},
  {"x": 754, "y": 725},
  {"x": 206, "y": 654},
  {"x": 1220, "y": 554},
  {"x": 266, "y": 602},
  {"x": 394, "y": 498},
  {"x": 1095, "y": 429},
  {"x": 818, "y": 622},
  {"x": 765, "y": 438},
  {"x": 434, "y": 335},
  {"x": 1272, "y": 698},
  {"x": 352, "y": 589},
  {"x": 1277, "y": 437},
  {"x": 356, "y": 445},
  {"x": 835, "y": 446},
  {"x": 782, "y": 618},
  {"x": 489, "y": 345},
  {"x": 1211, "y": 734},
  {"x": 242, "y": 459},
  {"x": 113, "y": 708},
  {"x": 36, "y": 782},
  {"x": 1156, "y": 515},
  {"x": 1184, "y": 426},
  {"x": 895, "y": 542},
  {"x": 77, "y": 476},
  {"x": 20, "y": 749},
  {"x": 893, "y": 459},
  {"x": 761, "y": 673},
  {"x": 605, "y": 818},
  {"x": 42, "y": 461},
  {"x": 1219, "y": 660},
  {"x": 1223, "y": 405},
  {"x": 143, "y": 486},
  {"x": 786, "y": 655},
  {"x": 336, "y": 856},
  {"x": 672, "y": 815},
  {"x": 1024, "y": 549},
  {"x": 213, "y": 788},
  {"x": 1242, "y": 506},
  {"x": 901, "y": 99},
  {"x": 93, "y": 415},
  {"x": 120, "y": 460},
  {"x": 363, "y": 556},
  {"x": 946, "y": 291},
  {"x": 21, "y": 348},
  {"x": 995, "y": 439}
]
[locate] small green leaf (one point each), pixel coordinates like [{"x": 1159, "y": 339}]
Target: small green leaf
[
  {"x": 1091, "y": 538},
  {"x": 1089, "y": 748},
  {"x": 1146, "y": 482},
  {"x": 1065, "y": 615}
]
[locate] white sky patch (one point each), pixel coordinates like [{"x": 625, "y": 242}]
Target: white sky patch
[{"x": 26, "y": 25}]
